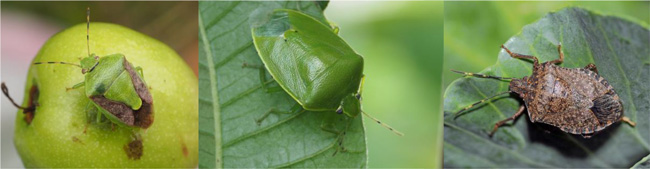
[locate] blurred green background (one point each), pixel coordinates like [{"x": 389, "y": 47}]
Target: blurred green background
[
  {"x": 402, "y": 46},
  {"x": 474, "y": 31}
]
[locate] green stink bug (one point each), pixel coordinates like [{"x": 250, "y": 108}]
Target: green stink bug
[
  {"x": 115, "y": 88},
  {"x": 311, "y": 63}
]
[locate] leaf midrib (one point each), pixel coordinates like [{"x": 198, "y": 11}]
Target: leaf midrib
[{"x": 215, "y": 99}]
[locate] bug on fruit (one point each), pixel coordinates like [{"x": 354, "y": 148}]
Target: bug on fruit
[
  {"x": 311, "y": 63},
  {"x": 115, "y": 88},
  {"x": 575, "y": 100}
]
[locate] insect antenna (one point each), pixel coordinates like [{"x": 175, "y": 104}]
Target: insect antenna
[
  {"x": 88, "y": 29},
  {"x": 482, "y": 75},
  {"x": 479, "y": 102},
  {"x": 382, "y": 124},
  {"x": 64, "y": 63},
  {"x": 6, "y": 92}
]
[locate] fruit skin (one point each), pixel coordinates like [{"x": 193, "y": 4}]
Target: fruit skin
[{"x": 56, "y": 137}]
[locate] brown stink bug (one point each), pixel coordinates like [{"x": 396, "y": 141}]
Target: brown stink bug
[{"x": 575, "y": 100}]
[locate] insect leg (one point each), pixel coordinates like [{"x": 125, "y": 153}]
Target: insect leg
[
  {"x": 78, "y": 85},
  {"x": 266, "y": 114},
  {"x": 628, "y": 121},
  {"x": 592, "y": 67},
  {"x": 90, "y": 113},
  {"x": 98, "y": 117},
  {"x": 262, "y": 75},
  {"x": 561, "y": 59},
  {"x": 341, "y": 136},
  {"x": 329, "y": 129},
  {"x": 520, "y": 56},
  {"x": 140, "y": 72},
  {"x": 513, "y": 117},
  {"x": 482, "y": 75}
]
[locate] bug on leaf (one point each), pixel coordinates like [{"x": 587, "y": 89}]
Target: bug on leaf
[
  {"x": 116, "y": 89},
  {"x": 311, "y": 63},
  {"x": 575, "y": 100}
]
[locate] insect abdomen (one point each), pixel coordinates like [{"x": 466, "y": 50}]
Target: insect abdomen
[
  {"x": 575, "y": 100},
  {"x": 607, "y": 108}
]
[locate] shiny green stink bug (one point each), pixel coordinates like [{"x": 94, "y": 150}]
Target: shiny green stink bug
[
  {"x": 311, "y": 63},
  {"x": 114, "y": 88}
]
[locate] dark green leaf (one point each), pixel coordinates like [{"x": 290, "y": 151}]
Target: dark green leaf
[
  {"x": 232, "y": 98},
  {"x": 620, "y": 50}
]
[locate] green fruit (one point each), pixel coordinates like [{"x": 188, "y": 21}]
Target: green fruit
[{"x": 60, "y": 134}]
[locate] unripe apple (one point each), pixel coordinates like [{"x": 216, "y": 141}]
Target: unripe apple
[{"x": 61, "y": 135}]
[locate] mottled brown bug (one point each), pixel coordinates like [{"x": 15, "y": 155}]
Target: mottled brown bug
[{"x": 576, "y": 100}]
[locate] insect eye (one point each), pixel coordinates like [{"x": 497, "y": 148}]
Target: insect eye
[{"x": 339, "y": 110}]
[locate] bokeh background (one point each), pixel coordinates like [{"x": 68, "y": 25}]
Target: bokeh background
[
  {"x": 401, "y": 43},
  {"x": 27, "y": 25},
  {"x": 474, "y": 31}
]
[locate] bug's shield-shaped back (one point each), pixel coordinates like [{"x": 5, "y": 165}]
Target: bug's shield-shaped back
[
  {"x": 314, "y": 65},
  {"x": 120, "y": 92}
]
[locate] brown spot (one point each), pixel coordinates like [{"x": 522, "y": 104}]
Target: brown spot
[
  {"x": 134, "y": 149},
  {"x": 76, "y": 140},
  {"x": 185, "y": 151},
  {"x": 143, "y": 116}
]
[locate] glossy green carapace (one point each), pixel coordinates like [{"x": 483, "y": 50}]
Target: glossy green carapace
[
  {"x": 310, "y": 61},
  {"x": 115, "y": 83}
]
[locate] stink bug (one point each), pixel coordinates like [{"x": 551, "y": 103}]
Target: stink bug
[
  {"x": 311, "y": 63},
  {"x": 114, "y": 87},
  {"x": 575, "y": 100}
]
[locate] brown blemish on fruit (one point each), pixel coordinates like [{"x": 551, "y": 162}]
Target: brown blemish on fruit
[
  {"x": 86, "y": 128},
  {"x": 76, "y": 140},
  {"x": 185, "y": 151},
  {"x": 134, "y": 149},
  {"x": 183, "y": 146},
  {"x": 32, "y": 102}
]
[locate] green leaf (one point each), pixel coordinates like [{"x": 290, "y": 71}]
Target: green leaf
[
  {"x": 232, "y": 98},
  {"x": 620, "y": 50}
]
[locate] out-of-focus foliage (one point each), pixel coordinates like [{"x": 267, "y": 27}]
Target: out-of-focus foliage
[
  {"x": 475, "y": 30},
  {"x": 401, "y": 43},
  {"x": 173, "y": 23}
]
